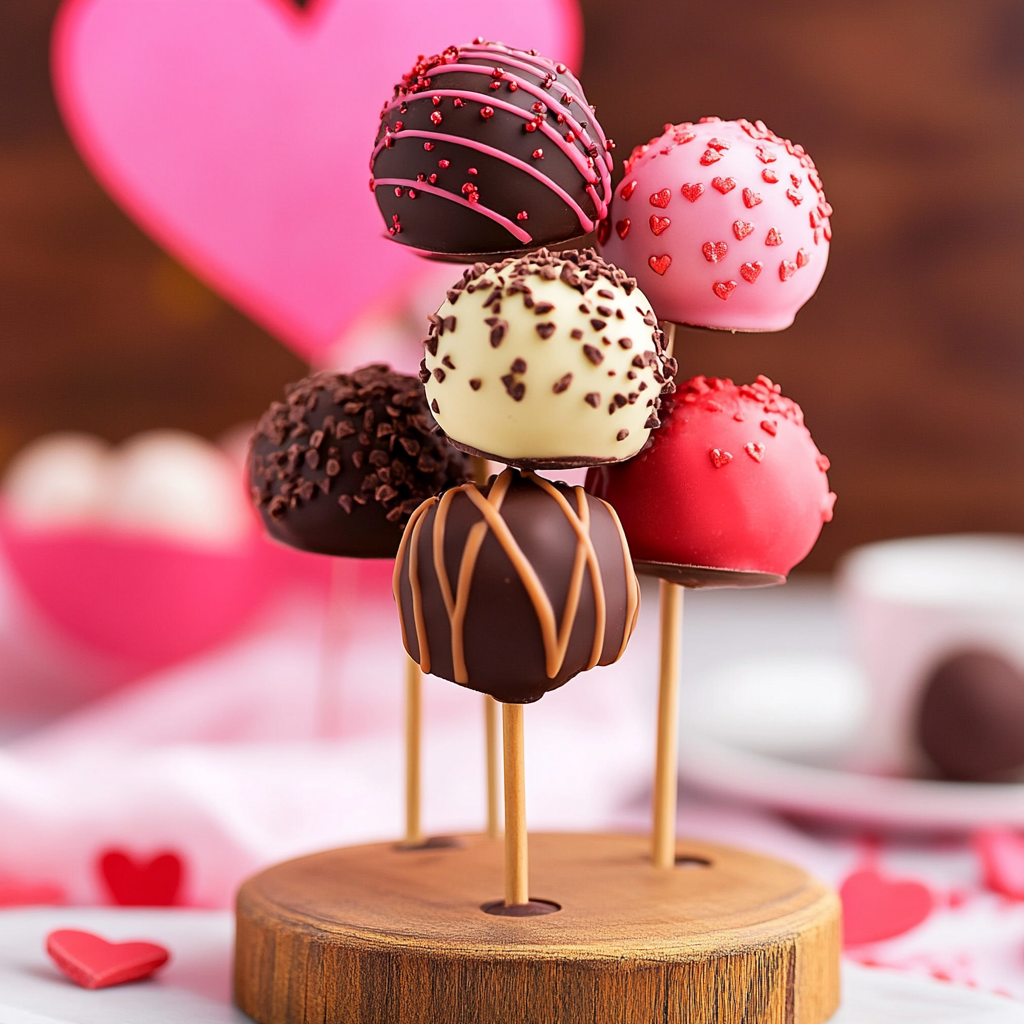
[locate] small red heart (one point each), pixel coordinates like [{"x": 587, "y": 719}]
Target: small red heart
[
  {"x": 787, "y": 268},
  {"x": 132, "y": 883},
  {"x": 720, "y": 458},
  {"x": 774, "y": 237},
  {"x": 750, "y": 271},
  {"x": 659, "y": 264},
  {"x": 627, "y": 190},
  {"x": 803, "y": 257},
  {"x": 765, "y": 155},
  {"x": 92, "y": 962},
  {"x": 755, "y": 450},
  {"x": 692, "y": 192},
  {"x": 659, "y": 224},
  {"x": 604, "y": 229},
  {"x": 769, "y": 175},
  {"x": 714, "y": 252},
  {"x": 710, "y": 156},
  {"x": 742, "y": 228},
  {"x": 723, "y": 289},
  {"x": 794, "y": 197},
  {"x": 661, "y": 199},
  {"x": 769, "y": 427},
  {"x": 723, "y": 184},
  {"x": 622, "y": 227},
  {"x": 796, "y": 179},
  {"x": 750, "y": 199},
  {"x": 1001, "y": 853},
  {"x": 875, "y": 908}
]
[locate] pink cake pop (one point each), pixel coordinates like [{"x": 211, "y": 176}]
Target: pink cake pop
[
  {"x": 732, "y": 481},
  {"x": 723, "y": 224}
]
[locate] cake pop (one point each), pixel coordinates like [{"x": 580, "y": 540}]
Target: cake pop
[
  {"x": 723, "y": 223},
  {"x": 339, "y": 466},
  {"x": 732, "y": 481},
  {"x": 485, "y": 149},
  {"x": 515, "y": 587},
  {"x": 550, "y": 360}
]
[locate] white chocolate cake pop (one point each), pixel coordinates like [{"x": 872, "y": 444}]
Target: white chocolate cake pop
[{"x": 548, "y": 361}]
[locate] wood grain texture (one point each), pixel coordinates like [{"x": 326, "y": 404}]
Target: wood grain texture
[{"x": 374, "y": 934}]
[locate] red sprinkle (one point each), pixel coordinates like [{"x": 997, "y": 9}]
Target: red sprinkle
[
  {"x": 622, "y": 227},
  {"x": 751, "y": 271},
  {"x": 723, "y": 185},
  {"x": 627, "y": 190},
  {"x": 428, "y": 146},
  {"x": 659, "y": 264},
  {"x": 442, "y": 164},
  {"x": 658, "y": 224},
  {"x": 787, "y": 268},
  {"x": 719, "y": 458},
  {"x": 538, "y": 153},
  {"x": 522, "y": 215},
  {"x": 750, "y": 199},
  {"x": 661, "y": 199},
  {"x": 723, "y": 289},
  {"x": 742, "y": 228},
  {"x": 769, "y": 427},
  {"x": 486, "y": 112},
  {"x": 823, "y": 464},
  {"x": 710, "y": 156},
  {"x": 692, "y": 192},
  {"x": 794, "y": 197},
  {"x": 774, "y": 237},
  {"x": 803, "y": 257},
  {"x": 755, "y": 449},
  {"x": 714, "y": 252},
  {"x": 435, "y": 117},
  {"x": 398, "y": 192},
  {"x": 769, "y": 175}
]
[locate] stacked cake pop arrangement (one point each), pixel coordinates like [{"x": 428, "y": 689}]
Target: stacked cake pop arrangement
[{"x": 514, "y": 585}]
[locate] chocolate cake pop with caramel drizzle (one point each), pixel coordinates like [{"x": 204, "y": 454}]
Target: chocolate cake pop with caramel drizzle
[
  {"x": 515, "y": 587},
  {"x": 339, "y": 466},
  {"x": 485, "y": 150}
]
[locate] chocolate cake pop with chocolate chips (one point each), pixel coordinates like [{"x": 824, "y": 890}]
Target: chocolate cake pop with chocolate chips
[
  {"x": 552, "y": 360},
  {"x": 339, "y": 466},
  {"x": 515, "y": 587},
  {"x": 485, "y": 149}
]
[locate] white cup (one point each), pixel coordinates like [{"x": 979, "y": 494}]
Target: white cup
[{"x": 912, "y": 604}]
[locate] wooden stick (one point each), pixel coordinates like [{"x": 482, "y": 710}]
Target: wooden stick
[
  {"x": 666, "y": 768},
  {"x": 413, "y": 732},
  {"x": 517, "y": 862},
  {"x": 492, "y": 733}
]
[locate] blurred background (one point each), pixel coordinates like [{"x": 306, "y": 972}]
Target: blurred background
[{"x": 908, "y": 363}]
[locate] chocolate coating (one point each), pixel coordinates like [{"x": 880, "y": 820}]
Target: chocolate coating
[
  {"x": 487, "y": 149},
  {"x": 971, "y": 718},
  {"x": 501, "y": 647},
  {"x": 339, "y": 466}
]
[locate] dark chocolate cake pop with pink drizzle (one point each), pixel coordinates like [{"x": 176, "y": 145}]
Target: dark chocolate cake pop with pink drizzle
[
  {"x": 486, "y": 149},
  {"x": 731, "y": 490}
]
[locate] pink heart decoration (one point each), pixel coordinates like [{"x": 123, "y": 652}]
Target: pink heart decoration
[
  {"x": 92, "y": 962},
  {"x": 238, "y": 133},
  {"x": 1001, "y": 853},
  {"x": 876, "y": 908},
  {"x": 140, "y": 883}
]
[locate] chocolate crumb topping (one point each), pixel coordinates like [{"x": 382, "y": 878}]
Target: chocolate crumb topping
[
  {"x": 595, "y": 355},
  {"x": 562, "y": 384},
  {"x": 592, "y": 398}
]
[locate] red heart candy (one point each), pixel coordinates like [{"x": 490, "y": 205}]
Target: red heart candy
[
  {"x": 132, "y": 883},
  {"x": 1001, "y": 853},
  {"x": 659, "y": 224},
  {"x": 661, "y": 199},
  {"x": 803, "y": 257},
  {"x": 723, "y": 289},
  {"x": 659, "y": 264},
  {"x": 773, "y": 237},
  {"x": 750, "y": 199},
  {"x": 622, "y": 227},
  {"x": 769, "y": 427},
  {"x": 627, "y": 190},
  {"x": 755, "y": 450},
  {"x": 604, "y": 228},
  {"x": 750, "y": 271},
  {"x": 769, "y": 175},
  {"x": 787, "y": 268},
  {"x": 875, "y": 908},
  {"x": 720, "y": 458},
  {"x": 710, "y": 156},
  {"x": 692, "y": 192},
  {"x": 765, "y": 155},
  {"x": 794, "y": 197},
  {"x": 742, "y": 228},
  {"x": 714, "y": 252},
  {"x": 92, "y": 962},
  {"x": 723, "y": 184}
]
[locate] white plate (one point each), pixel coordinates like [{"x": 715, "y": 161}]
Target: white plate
[
  {"x": 776, "y": 730},
  {"x": 193, "y": 988}
]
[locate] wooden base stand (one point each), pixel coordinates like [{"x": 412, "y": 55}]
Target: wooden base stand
[{"x": 375, "y": 934}]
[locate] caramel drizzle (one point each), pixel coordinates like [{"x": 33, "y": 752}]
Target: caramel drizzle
[{"x": 555, "y": 636}]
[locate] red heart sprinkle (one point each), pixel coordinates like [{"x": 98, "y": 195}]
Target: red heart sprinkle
[
  {"x": 794, "y": 197},
  {"x": 693, "y": 192},
  {"x": 823, "y": 463},
  {"x": 604, "y": 229},
  {"x": 787, "y": 268},
  {"x": 710, "y": 156},
  {"x": 659, "y": 224},
  {"x": 92, "y": 962},
  {"x": 765, "y": 155},
  {"x": 875, "y": 908},
  {"x": 659, "y": 264},
  {"x": 723, "y": 289},
  {"x": 714, "y": 252},
  {"x": 796, "y": 179},
  {"x": 774, "y": 237},
  {"x": 755, "y": 450},
  {"x": 769, "y": 175},
  {"x": 826, "y": 227},
  {"x": 627, "y": 190},
  {"x": 723, "y": 184},
  {"x": 815, "y": 219},
  {"x": 134, "y": 883},
  {"x": 803, "y": 257},
  {"x": 622, "y": 227},
  {"x": 742, "y": 228},
  {"x": 719, "y": 458},
  {"x": 750, "y": 199},
  {"x": 718, "y": 144},
  {"x": 661, "y": 199},
  {"x": 750, "y": 271},
  {"x": 769, "y": 427}
]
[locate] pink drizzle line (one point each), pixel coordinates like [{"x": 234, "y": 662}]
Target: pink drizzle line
[
  {"x": 419, "y": 186},
  {"x": 586, "y": 223}
]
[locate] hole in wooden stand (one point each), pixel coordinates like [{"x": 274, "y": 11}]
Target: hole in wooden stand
[
  {"x": 686, "y": 861},
  {"x": 432, "y": 843},
  {"x": 535, "y": 908}
]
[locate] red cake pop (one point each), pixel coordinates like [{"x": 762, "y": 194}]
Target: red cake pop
[{"x": 731, "y": 481}]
